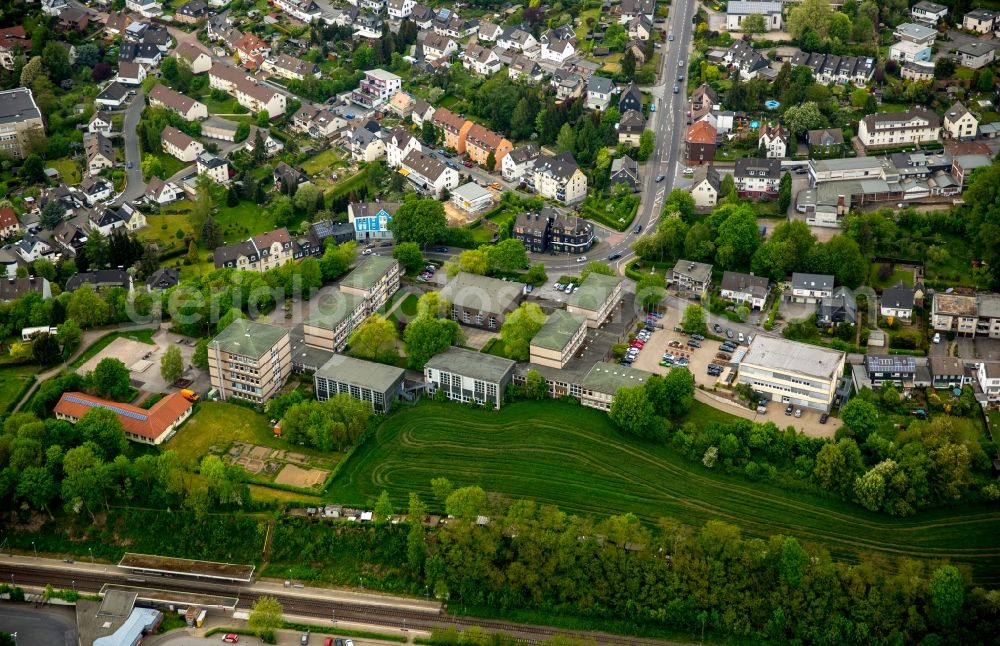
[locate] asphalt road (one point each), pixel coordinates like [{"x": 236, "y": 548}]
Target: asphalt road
[
  {"x": 135, "y": 187},
  {"x": 39, "y": 626}
]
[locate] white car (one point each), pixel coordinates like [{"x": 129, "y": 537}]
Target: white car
[
  {"x": 741, "y": 337},
  {"x": 582, "y": 259},
  {"x": 689, "y": 171},
  {"x": 366, "y": 252},
  {"x": 937, "y": 337}
]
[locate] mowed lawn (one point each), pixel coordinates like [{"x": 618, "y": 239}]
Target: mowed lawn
[
  {"x": 573, "y": 457},
  {"x": 14, "y": 379}
]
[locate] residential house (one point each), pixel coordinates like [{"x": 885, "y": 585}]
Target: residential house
[
  {"x": 422, "y": 16},
  {"x": 317, "y": 122},
  {"x": 96, "y": 189},
  {"x": 366, "y": 142},
  {"x": 53, "y": 7},
  {"x": 639, "y": 28},
  {"x": 400, "y": 9},
  {"x": 948, "y": 372},
  {"x": 568, "y": 85},
  {"x": 700, "y": 143},
  {"x": 116, "y": 23},
  {"x": 705, "y": 187},
  {"x": 482, "y": 143},
  {"x": 981, "y": 21},
  {"x": 130, "y": 73},
  {"x": 959, "y": 123},
  {"x": 481, "y": 60},
  {"x": 398, "y": 144},
  {"x": 746, "y": 289},
  {"x": 738, "y": 10},
  {"x": 145, "y": 8},
  {"x": 519, "y": 40},
  {"x": 558, "y": 340},
  {"x": 906, "y": 51},
  {"x": 469, "y": 376},
  {"x": 958, "y": 313},
  {"x": 757, "y": 179},
  {"x": 9, "y": 226},
  {"x": 401, "y": 104},
  {"x": 532, "y": 228},
  {"x": 489, "y": 32},
  {"x": 988, "y": 377},
  {"x": 828, "y": 142},
  {"x": 197, "y": 59},
  {"x": 790, "y": 372},
  {"x": 624, "y": 170},
  {"x": 186, "y": 107},
  {"x": 596, "y": 298},
  {"x": 303, "y": 10},
  {"x": 270, "y": 145},
  {"x": 899, "y": 128},
  {"x": 13, "y": 41},
  {"x": 249, "y": 360},
  {"x": 917, "y": 71},
  {"x": 916, "y": 33},
  {"x": 180, "y": 144},
  {"x": 631, "y": 127},
  {"x": 428, "y": 175},
  {"x": 747, "y": 60},
  {"x": 162, "y": 193},
  {"x": 599, "y": 92},
  {"x": 287, "y": 178},
  {"x": 471, "y": 198},
  {"x": 455, "y": 128},
  {"x": 480, "y": 301},
  {"x": 31, "y": 248},
  {"x": 897, "y": 303},
  {"x": 702, "y": 102},
  {"x": 422, "y": 111},
  {"x": 12, "y": 288},
  {"x": 976, "y": 54},
  {"x": 259, "y": 253},
  {"x": 568, "y": 233},
  {"x": 691, "y": 276},
  {"x": 376, "y": 88},
  {"x": 378, "y": 384},
  {"x": 247, "y": 91},
  {"x": 896, "y": 370},
  {"x": 370, "y": 220},
  {"x": 631, "y": 99},
  {"x": 519, "y": 162},
  {"x": 113, "y": 96},
  {"x": 559, "y": 178},
  {"x": 163, "y": 279},
  {"x": 99, "y": 151},
  {"x": 839, "y": 307},
  {"x": 216, "y": 168},
  {"x": 558, "y": 51},
  {"x": 775, "y": 140},
  {"x": 192, "y": 12},
  {"x": 251, "y": 50},
  {"x": 146, "y": 54},
  {"x": 100, "y": 123},
  {"x": 437, "y": 46},
  {"x": 928, "y": 13},
  {"x": 523, "y": 68},
  {"x": 290, "y": 67},
  {"x": 811, "y": 288},
  {"x": 100, "y": 279},
  {"x": 630, "y": 9}
]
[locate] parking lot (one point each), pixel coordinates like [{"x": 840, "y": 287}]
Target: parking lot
[{"x": 652, "y": 353}]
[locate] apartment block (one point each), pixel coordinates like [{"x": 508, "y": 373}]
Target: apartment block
[
  {"x": 249, "y": 360},
  {"x": 791, "y": 372},
  {"x": 376, "y": 279}
]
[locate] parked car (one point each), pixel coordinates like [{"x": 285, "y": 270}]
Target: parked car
[
  {"x": 660, "y": 178},
  {"x": 937, "y": 337},
  {"x": 682, "y": 363},
  {"x": 798, "y": 412},
  {"x": 452, "y": 165},
  {"x": 697, "y": 337},
  {"x": 729, "y": 333},
  {"x": 761, "y": 410},
  {"x": 670, "y": 36},
  {"x": 717, "y": 328},
  {"x": 725, "y": 356},
  {"x": 741, "y": 337},
  {"x": 304, "y": 639},
  {"x": 441, "y": 249},
  {"x": 367, "y": 252},
  {"x": 614, "y": 256},
  {"x": 230, "y": 638},
  {"x": 468, "y": 163},
  {"x": 823, "y": 418},
  {"x": 789, "y": 409},
  {"x": 582, "y": 259},
  {"x": 693, "y": 343}
]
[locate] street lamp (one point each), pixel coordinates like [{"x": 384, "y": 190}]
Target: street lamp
[
  {"x": 334, "y": 611},
  {"x": 91, "y": 549},
  {"x": 361, "y": 581},
  {"x": 427, "y": 592},
  {"x": 74, "y": 584},
  {"x": 34, "y": 548}
]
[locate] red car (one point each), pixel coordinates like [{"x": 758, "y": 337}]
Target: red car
[
  {"x": 231, "y": 638},
  {"x": 468, "y": 164},
  {"x": 638, "y": 344}
]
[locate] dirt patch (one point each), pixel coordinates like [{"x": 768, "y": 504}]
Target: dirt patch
[
  {"x": 456, "y": 216},
  {"x": 299, "y": 477},
  {"x": 129, "y": 351}
]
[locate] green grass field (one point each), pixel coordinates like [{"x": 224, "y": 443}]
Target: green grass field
[
  {"x": 572, "y": 457},
  {"x": 14, "y": 380},
  {"x": 68, "y": 168}
]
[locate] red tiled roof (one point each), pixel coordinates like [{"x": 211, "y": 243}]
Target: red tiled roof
[
  {"x": 7, "y": 217},
  {"x": 445, "y": 118},
  {"x": 149, "y": 424},
  {"x": 701, "y": 132},
  {"x": 483, "y": 137}
]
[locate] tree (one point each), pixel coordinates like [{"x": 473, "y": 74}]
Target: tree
[
  {"x": 426, "y": 336},
  {"x": 672, "y": 395},
  {"x": 37, "y": 487},
  {"x": 101, "y": 428},
  {"x": 52, "y": 214},
  {"x": 693, "y": 321},
  {"x": 632, "y": 412},
  {"x": 837, "y": 466},
  {"x": 419, "y": 220},
  {"x": 465, "y": 503},
  {"x": 628, "y": 66},
  {"x": 754, "y": 24},
  {"x": 87, "y": 308},
  {"x": 110, "y": 379},
  {"x": 650, "y": 290},
  {"x": 519, "y": 327},
  {"x": 200, "y": 356},
  {"x": 305, "y": 198},
  {"x": 596, "y": 267},
  {"x": 33, "y": 169},
  {"x": 839, "y": 27},
  {"x": 31, "y": 70},
  {"x": 792, "y": 561},
  {"x": 442, "y": 488},
  {"x": 409, "y": 256},
  {"x": 566, "y": 141},
  {"x": 416, "y": 548},
  {"x": 985, "y": 80},
  {"x": 383, "y": 509},
  {"x": 96, "y": 249},
  {"x": 803, "y": 117},
  {"x": 811, "y": 14},
  {"x": 69, "y": 335},
  {"x": 473, "y": 261},
  {"x": 944, "y": 68},
  {"x": 727, "y": 187},
  {"x": 337, "y": 259},
  {"x": 192, "y": 253},
  {"x": 55, "y": 60},
  {"x": 266, "y": 616},
  {"x": 211, "y": 233},
  {"x": 203, "y": 202},
  {"x": 374, "y": 338},
  {"x": 738, "y": 237},
  {"x": 171, "y": 364},
  {"x": 947, "y": 596},
  {"x": 785, "y": 193},
  {"x": 45, "y": 349},
  {"x": 681, "y": 202},
  {"x": 429, "y": 133},
  {"x": 647, "y": 141},
  {"x": 850, "y": 267},
  {"x": 506, "y": 256}
]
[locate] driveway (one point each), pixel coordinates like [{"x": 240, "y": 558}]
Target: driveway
[{"x": 135, "y": 187}]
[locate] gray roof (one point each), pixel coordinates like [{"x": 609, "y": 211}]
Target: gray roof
[
  {"x": 812, "y": 281},
  {"x": 472, "y": 364},
  {"x": 747, "y": 7},
  {"x": 890, "y": 363},
  {"x": 561, "y": 166},
  {"x": 471, "y": 191},
  {"x": 698, "y": 271},
  {"x": 366, "y": 374},
  {"x": 747, "y": 166},
  {"x": 607, "y": 378},
  {"x": 792, "y": 356},
  {"x": 471, "y": 291},
  {"x": 600, "y": 85},
  {"x": 18, "y": 105},
  {"x": 899, "y": 297},
  {"x": 370, "y": 271},
  {"x": 944, "y": 366},
  {"x": 594, "y": 291},
  {"x": 559, "y": 330},
  {"x": 334, "y": 309},
  {"x": 745, "y": 283},
  {"x": 248, "y": 338}
]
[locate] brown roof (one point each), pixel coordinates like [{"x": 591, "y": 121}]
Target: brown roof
[
  {"x": 445, "y": 118},
  {"x": 189, "y": 51},
  {"x": 701, "y": 132},
  {"x": 483, "y": 138},
  {"x": 171, "y": 98},
  {"x": 7, "y": 217},
  {"x": 149, "y": 424},
  {"x": 175, "y": 137},
  {"x": 265, "y": 240},
  {"x": 11, "y": 37}
]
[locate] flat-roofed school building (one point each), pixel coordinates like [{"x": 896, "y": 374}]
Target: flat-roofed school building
[
  {"x": 330, "y": 326},
  {"x": 791, "y": 372},
  {"x": 559, "y": 339},
  {"x": 596, "y": 298},
  {"x": 465, "y": 375},
  {"x": 376, "y": 383},
  {"x": 376, "y": 279}
]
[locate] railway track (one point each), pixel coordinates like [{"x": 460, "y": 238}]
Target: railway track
[{"x": 325, "y": 610}]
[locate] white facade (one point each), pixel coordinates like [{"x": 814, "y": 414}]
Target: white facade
[
  {"x": 896, "y": 129},
  {"x": 705, "y": 194},
  {"x": 988, "y": 376},
  {"x": 961, "y": 124},
  {"x": 793, "y": 373},
  {"x": 398, "y": 147}
]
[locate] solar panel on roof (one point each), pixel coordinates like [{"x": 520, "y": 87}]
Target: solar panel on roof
[{"x": 115, "y": 409}]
